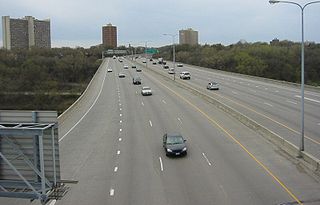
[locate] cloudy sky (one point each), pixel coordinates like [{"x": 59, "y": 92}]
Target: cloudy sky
[{"x": 79, "y": 22}]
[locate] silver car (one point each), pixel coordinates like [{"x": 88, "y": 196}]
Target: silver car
[{"x": 213, "y": 86}]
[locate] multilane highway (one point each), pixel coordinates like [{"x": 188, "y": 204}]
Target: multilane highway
[
  {"x": 276, "y": 106},
  {"x": 111, "y": 142}
]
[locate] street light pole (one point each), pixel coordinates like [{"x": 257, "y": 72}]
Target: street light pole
[
  {"x": 145, "y": 54},
  {"x": 173, "y": 53},
  {"x": 301, "y": 147}
]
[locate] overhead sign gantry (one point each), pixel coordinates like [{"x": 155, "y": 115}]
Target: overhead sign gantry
[{"x": 29, "y": 154}]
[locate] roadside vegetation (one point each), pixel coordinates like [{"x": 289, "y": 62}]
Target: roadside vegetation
[
  {"x": 45, "y": 79},
  {"x": 278, "y": 60}
]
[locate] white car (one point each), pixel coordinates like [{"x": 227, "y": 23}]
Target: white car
[
  {"x": 125, "y": 67},
  {"x": 180, "y": 65},
  {"x": 171, "y": 71},
  {"x": 121, "y": 75},
  {"x": 146, "y": 91},
  {"x": 109, "y": 70},
  {"x": 185, "y": 75}
]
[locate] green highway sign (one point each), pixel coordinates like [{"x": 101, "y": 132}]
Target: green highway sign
[{"x": 151, "y": 51}]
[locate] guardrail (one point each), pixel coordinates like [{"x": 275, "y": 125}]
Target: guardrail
[{"x": 307, "y": 160}]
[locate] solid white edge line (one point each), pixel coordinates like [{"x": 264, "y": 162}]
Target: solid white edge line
[
  {"x": 111, "y": 192},
  {"x": 88, "y": 109},
  {"x": 204, "y": 155},
  {"x": 161, "y": 165},
  {"x": 150, "y": 123}
]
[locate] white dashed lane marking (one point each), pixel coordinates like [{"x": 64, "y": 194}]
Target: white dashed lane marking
[
  {"x": 115, "y": 169},
  {"x": 310, "y": 99},
  {"x": 161, "y": 165},
  {"x": 268, "y": 104},
  {"x": 204, "y": 155},
  {"x": 291, "y": 102},
  {"x": 111, "y": 192},
  {"x": 150, "y": 123}
]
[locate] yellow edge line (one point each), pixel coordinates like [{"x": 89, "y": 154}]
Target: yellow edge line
[{"x": 235, "y": 140}]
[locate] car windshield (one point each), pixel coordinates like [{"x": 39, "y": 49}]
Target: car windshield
[{"x": 174, "y": 140}]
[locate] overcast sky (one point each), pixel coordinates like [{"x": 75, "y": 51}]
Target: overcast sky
[{"x": 79, "y": 22}]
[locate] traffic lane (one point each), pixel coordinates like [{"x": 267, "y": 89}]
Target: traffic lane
[
  {"x": 287, "y": 90},
  {"x": 164, "y": 121},
  {"x": 90, "y": 148},
  {"x": 177, "y": 190},
  {"x": 137, "y": 179},
  {"x": 282, "y": 121},
  {"x": 187, "y": 177},
  {"x": 270, "y": 155},
  {"x": 269, "y": 98},
  {"x": 66, "y": 122},
  {"x": 199, "y": 137}
]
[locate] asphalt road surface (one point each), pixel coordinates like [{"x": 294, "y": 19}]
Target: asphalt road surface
[
  {"x": 112, "y": 145},
  {"x": 276, "y": 106}
]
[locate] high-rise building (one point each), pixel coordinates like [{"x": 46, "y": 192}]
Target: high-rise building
[
  {"x": 25, "y": 33},
  {"x": 109, "y": 36},
  {"x": 188, "y": 36}
]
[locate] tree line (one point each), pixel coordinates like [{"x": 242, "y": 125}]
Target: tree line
[
  {"x": 45, "y": 78},
  {"x": 278, "y": 60}
]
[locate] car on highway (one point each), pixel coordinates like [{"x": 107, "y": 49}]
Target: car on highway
[
  {"x": 125, "y": 67},
  {"x": 180, "y": 65},
  {"x": 114, "y": 57},
  {"x": 165, "y": 66},
  {"x": 121, "y": 75},
  {"x": 185, "y": 75},
  {"x": 164, "y": 62},
  {"x": 138, "y": 70},
  {"x": 146, "y": 91},
  {"x": 109, "y": 70},
  {"x": 144, "y": 61},
  {"x": 136, "y": 80},
  {"x": 154, "y": 63},
  {"x": 213, "y": 86},
  {"x": 171, "y": 71},
  {"x": 174, "y": 144},
  {"x": 133, "y": 66}
]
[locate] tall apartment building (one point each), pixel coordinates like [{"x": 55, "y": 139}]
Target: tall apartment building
[
  {"x": 109, "y": 36},
  {"x": 25, "y": 33},
  {"x": 188, "y": 36}
]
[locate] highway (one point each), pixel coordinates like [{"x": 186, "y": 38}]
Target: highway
[
  {"x": 111, "y": 143},
  {"x": 275, "y": 106}
]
